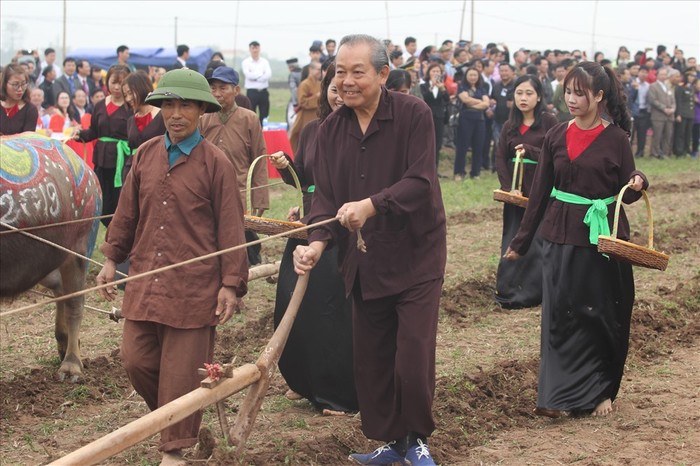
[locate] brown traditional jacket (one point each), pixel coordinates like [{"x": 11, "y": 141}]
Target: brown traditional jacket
[{"x": 168, "y": 215}]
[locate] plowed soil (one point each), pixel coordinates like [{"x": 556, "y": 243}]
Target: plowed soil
[{"x": 487, "y": 372}]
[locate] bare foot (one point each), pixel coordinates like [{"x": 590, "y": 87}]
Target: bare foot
[
  {"x": 173, "y": 458},
  {"x": 330, "y": 412},
  {"x": 292, "y": 395},
  {"x": 603, "y": 409}
]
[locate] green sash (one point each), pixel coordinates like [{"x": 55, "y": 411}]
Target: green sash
[
  {"x": 597, "y": 215},
  {"x": 123, "y": 150},
  {"x": 534, "y": 162}
]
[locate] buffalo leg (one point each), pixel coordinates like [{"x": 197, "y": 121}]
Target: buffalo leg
[
  {"x": 54, "y": 282},
  {"x": 70, "y": 314}
]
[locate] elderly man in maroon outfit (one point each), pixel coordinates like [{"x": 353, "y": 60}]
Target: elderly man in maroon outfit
[
  {"x": 179, "y": 201},
  {"x": 376, "y": 171}
]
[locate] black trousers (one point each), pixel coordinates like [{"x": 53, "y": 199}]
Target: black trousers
[
  {"x": 259, "y": 99},
  {"x": 439, "y": 123},
  {"x": 486, "y": 151},
  {"x": 110, "y": 194},
  {"x": 642, "y": 123},
  {"x": 682, "y": 132},
  {"x": 254, "y": 257}
]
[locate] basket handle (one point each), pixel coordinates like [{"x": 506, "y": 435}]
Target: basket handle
[
  {"x": 650, "y": 217},
  {"x": 519, "y": 154},
  {"x": 249, "y": 182}
]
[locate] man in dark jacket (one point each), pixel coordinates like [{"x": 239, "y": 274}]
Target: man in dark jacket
[
  {"x": 46, "y": 85},
  {"x": 183, "y": 53},
  {"x": 67, "y": 81}
]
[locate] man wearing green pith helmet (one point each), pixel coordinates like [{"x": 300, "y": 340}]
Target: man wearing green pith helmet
[{"x": 180, "y": 200}]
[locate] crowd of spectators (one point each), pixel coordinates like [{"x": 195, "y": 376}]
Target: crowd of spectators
[
  {"x": 663, "y": 92},
  {"x": 662, "y": 89}
]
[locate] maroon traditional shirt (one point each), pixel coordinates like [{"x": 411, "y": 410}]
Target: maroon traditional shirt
[
  {"x": 392, "y": 163},
  {"x": 23, "y": 120},
  {"x": 303, "y": 164},
  {"x": 599, "y": 172},
  {"x": 102, "y": 124},
  {"x": 137, "y": 136},
  {"x": 531, "y": 141},
  {"x": 168, "y": 215},
  {"x": 155, "y": 127}
]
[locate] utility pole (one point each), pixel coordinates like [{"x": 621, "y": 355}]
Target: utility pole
[
  {"x": 176, "y": 32},
  {"x": 461, "y": 23},
  {"x": 235, "y": 34},
  {"x": 386, "y": 9},
  {"x": 472, "y": 34},
  {"x": 64, "y": 28},
  {"x": 595, "y": 16}
]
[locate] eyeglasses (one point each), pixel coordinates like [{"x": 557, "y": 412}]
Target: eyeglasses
[{"x": 18, "y": 86}]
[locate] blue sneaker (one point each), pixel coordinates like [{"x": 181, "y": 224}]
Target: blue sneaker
[
  {"x": 418, "y": 455},
  {"x": 382, "y": 455}
]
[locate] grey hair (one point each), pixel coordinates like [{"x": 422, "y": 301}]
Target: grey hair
[
  {"x": 672, "y": 72},
  {"x": 473, "y": 48},
  {"x": 379, "y": 57}
]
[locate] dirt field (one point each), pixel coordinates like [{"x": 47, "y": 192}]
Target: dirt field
[{"x": 487, "y": 370}]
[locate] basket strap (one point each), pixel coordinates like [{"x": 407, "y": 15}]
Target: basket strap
[
  {"x": 596, "y": 216},
  {"x": 249, "y": 182},
  {"x": 650, "y": 217}
]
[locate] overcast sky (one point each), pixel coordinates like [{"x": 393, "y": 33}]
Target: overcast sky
[{"x": 287, "y": 29}]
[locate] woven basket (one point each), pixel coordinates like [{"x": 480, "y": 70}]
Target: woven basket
[
  {"x": 630, "y": 252},
  {"x": 510, "y": 197},
  {"x": 271, "y": 226}
]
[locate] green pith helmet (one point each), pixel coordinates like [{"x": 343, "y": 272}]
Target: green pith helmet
[{"x": 183, "y": 84}]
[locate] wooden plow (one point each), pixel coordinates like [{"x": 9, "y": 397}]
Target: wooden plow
[{"x": 256, "y": 376}]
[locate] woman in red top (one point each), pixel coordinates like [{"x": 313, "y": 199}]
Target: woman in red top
[
  {"x": 108, "y": 126},
  {"x": 63, "y": 108},
  {"x": 519, "y": 284},
  {"x": 146, "y": 122},
  {"x": 17, "y": 115},
  {"x": 587, "y": 297}
]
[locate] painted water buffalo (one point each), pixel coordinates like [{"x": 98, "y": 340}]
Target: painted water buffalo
[{"x": 43, "y": 182}]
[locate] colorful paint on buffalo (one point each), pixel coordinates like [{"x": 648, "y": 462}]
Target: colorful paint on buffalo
[{"x": 42, "y": 182}]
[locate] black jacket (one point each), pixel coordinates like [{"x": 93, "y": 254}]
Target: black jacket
[{"x": 438, "y": 105}]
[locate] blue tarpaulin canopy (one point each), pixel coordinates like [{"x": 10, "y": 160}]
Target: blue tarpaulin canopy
[{"x": 142, "y": 57}]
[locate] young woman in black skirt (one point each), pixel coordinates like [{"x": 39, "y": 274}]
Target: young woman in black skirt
[
  {"x": 586, "y": 297},
  {"x": 519, "y": 284}
]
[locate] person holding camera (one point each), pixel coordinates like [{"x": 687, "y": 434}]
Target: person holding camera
[{"x": 435, "y": 95}]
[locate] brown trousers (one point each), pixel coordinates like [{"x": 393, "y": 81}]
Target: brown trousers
[
  {"x": 394, "y": 356},
  {"x": 162, "y": 363}
]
